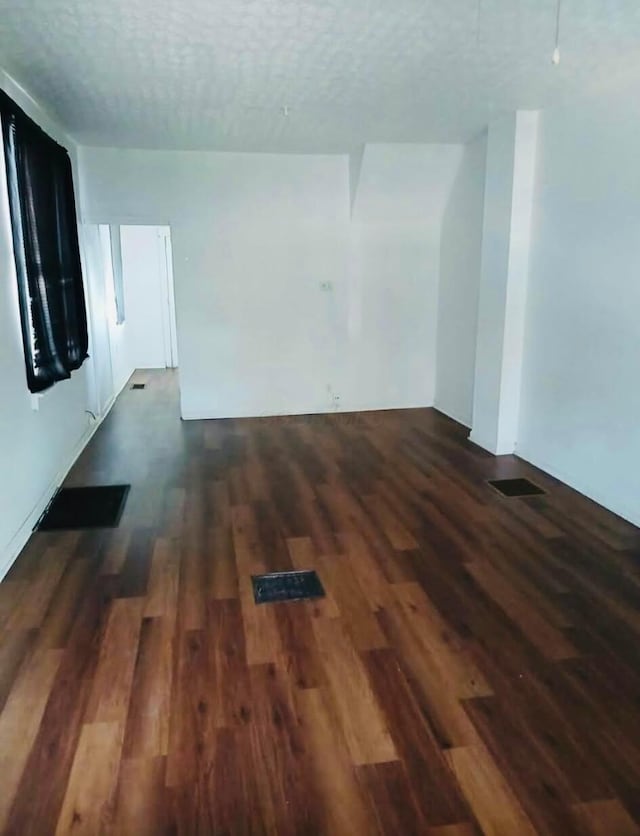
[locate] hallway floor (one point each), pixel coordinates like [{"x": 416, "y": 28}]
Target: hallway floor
[{"x": 474, "y": 666}]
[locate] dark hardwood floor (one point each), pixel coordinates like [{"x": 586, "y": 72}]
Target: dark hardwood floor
[{"x": 474, "y": 667}]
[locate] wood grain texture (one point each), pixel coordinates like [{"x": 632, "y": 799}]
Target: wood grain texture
[
  {"x": 473, "y": 669},
  {"x": 489, "y": 795}
]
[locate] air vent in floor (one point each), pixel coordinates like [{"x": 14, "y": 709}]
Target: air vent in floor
[
  {"x": 516, "y": 487},
  {"x": 286, "y": 586},
  {"x": 93, "y": 507}
]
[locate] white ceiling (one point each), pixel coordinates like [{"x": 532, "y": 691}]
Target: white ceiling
[{"x": 217, "y": 73}]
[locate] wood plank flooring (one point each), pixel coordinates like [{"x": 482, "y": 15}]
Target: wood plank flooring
[{"x": 474, "y": 667}]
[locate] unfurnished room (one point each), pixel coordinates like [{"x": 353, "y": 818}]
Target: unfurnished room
[{"x": 320, "y": 417}]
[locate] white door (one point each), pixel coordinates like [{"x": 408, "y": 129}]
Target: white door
[{"x": 148, "y": 296}]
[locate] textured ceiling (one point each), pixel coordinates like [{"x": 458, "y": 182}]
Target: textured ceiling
[{"x": 219, "y": 73}]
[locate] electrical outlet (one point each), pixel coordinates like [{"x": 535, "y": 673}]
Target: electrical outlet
[
  {"x": 334, "y": 398},
  {"x": 326, "y": 287}
]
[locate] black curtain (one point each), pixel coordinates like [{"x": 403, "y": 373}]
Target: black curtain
[{"x": 47, "y": 254}]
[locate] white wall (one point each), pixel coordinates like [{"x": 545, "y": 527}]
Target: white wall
[
  {"x": 494, "y": 271},
  {"x": 460, "y": 251},
  {"x": 524, "y": 171},
  {"x": 389, "y": 359},
  {"x": 355, "y": 166},
  {"x": 402, "y": 190},
  {"x": 405, "y": 183},
  {"x": 580, "y": 409},
  {"x": 506, "y": 224},
  {"x": 36, "y": 446},
  {"x": 283, "y": 305}
]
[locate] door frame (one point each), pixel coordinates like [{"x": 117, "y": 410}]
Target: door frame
[{"x": 165, "y": 258}]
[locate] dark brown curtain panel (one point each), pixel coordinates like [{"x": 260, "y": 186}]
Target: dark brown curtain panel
[{"x": 47, "y": 254}]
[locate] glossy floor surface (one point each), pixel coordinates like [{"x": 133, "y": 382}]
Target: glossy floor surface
[{"x": 474, "y": 667}]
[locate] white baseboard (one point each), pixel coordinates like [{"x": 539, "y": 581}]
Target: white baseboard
[
  {"x": 20, "y": 538},
  {"x": 479, "y": 442},
  {"x": 490, "y": 447},
  {"x": 212, "y": 415},
  {"x": 627, "y": 512}
]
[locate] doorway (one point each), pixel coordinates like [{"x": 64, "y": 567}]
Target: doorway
[
  {"x": 148, "y": 296},
  {"x": 133, "y": 319}
]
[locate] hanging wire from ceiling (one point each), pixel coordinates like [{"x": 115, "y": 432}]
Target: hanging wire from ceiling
[
  {"x": 556, "y": 52},
  {"x": 478, "y": 21}
]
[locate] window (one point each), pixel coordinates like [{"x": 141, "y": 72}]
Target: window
[{"x": 45, "y": 244}]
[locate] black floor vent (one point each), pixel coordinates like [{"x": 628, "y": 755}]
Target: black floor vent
[
  {"x": 516, "y": 487},
  {"x": 95, "y": 507},
  {"x": 286, "y": 586},
  {"x": 138, "y": 385}
]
